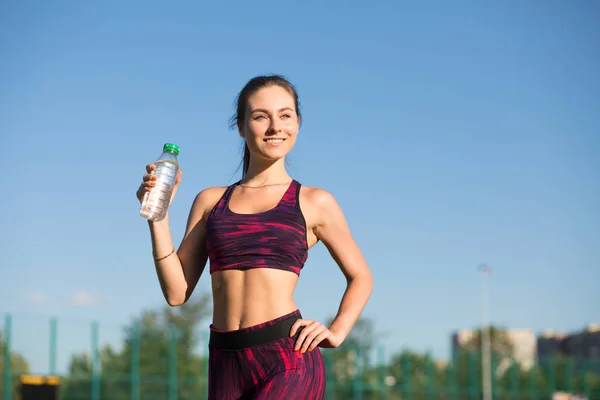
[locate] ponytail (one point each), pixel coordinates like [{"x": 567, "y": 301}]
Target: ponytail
[{"x": 246, "y": 160}]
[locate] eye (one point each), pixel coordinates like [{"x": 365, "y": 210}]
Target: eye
[
  {"x": 286, "y": 116},
  {"x": 259, "y": 117}
]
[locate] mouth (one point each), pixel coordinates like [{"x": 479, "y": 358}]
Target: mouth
[{"x": 274, "y": 140}]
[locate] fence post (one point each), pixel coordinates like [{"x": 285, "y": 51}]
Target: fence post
[
  {"x": 533, "y": 389},
  {"x": 357, "y": 384},
  {"x": 569, "y": 375},
  {"x": 473, "y": 374},
  {"x": 206, "y": 362},
  {"x": 493, "y": 368},
  {"x": 53, "y": 331},
  {"x": 406, "y": 376},
  {"x": 8, "y": 387},
  {"x": 586, "y": 378},
  {"x": 430, "y": 377},
  {"x": 515, "y": 379},
  {"x": 453, "y": 379},
  {"x": 172, "y": 362},
  {"x": 95, "y": 362},
  {"x": 382, "y": 389},
  {"x": 135, "y": 362},
  {"x": 551, "y": 377},
  {"x": 329, "y": 373}
]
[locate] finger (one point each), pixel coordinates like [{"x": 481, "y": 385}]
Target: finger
[
  {"x": 303, "y": 334},
  {"x": 295, "y": 327},
  {"x": 141, "y": 192},
  {"x": 311, "y": 337},
  {"x": 316, "y": 341},
  {"x": 148, "y": 177},
  {"x": 150, "y": 168},
  {"x": 299, "y": 323}
]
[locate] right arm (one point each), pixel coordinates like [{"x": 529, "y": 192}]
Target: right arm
[{"x": 178, "y": 272}]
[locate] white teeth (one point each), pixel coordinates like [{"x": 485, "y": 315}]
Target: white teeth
[{"x": 274, "y": 140}]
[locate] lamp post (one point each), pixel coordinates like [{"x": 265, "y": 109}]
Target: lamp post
[{"x": 485, "y": 271}]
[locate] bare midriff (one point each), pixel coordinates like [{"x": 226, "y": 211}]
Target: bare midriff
[{"x": 244, "y": 298}]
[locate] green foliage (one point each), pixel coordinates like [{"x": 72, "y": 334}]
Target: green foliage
[
  {"x": 158, "y": 360},
  {"x": 18, "y": 366},
  {"x": 157, "y": 355}
]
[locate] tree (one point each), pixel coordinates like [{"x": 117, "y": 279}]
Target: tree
[
  {"x": 500, "y": 342},
  {"x": 18, "y": 366},
  {"x": 417, "y": 376},
  {"x": 152, "y": 341},
  {"x": 78, "y": 383},
  {"x": 351, "y": 362}
]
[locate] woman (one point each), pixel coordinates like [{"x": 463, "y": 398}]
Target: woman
[{"x": 256, "y": 234}]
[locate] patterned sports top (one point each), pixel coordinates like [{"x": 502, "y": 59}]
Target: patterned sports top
[{"x": 275, "y": 238}]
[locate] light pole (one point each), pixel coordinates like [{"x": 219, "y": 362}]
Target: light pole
[{"x": 485, "y": 271}]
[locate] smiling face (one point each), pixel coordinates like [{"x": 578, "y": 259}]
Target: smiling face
[{"x": 271, "y": 123}]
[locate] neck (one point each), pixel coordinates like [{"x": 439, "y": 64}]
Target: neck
[{"x": 262, "y": 173}]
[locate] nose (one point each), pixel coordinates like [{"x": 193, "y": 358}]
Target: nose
[{"x": 275, "y": 125}]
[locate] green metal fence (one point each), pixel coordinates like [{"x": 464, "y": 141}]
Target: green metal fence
[{"x": 163, "y": 362}]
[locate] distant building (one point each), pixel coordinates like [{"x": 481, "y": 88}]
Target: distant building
[
  {"x": 527, "y": 349},
  {"x": 524, "y": 346},
  {"x": 460, "y": 338},
  {"x": 550, "y": 344},
  {"x": 582, "y": 346},
  {"x": 523, "y": 342}
]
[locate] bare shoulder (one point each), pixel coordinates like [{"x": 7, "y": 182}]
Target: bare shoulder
[
  {"x": 203, "y": 203},
  {"x": 210, "y": 195},
  {"x": 319, "y": 207},
  {"x": 316, "y": 197},
  {"x": 207, "y": 198}
]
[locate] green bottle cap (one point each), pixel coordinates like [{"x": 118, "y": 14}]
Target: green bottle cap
[{"x": 171, "y": 147}]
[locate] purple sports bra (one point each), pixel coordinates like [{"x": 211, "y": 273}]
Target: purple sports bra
[{"x": 275, "y": 238}]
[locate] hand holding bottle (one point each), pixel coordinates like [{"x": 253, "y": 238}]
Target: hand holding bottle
[
  {"x": 149, "y": 181},
  {"x": 160, "y": 184}
]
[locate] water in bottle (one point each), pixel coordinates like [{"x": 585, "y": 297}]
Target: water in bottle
[{"x": 156, "y": 201}]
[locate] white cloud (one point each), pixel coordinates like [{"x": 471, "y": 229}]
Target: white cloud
[
  {"x": 39, "y": 298},
  {"x": 83, "y": 298}
]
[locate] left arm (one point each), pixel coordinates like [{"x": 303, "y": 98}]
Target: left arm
[{"x": 332, "y": 229}]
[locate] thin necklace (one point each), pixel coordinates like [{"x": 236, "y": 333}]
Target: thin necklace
[{"x": 262, "y": 186}]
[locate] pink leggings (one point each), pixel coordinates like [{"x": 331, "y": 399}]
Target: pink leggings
[{"x": 259, "y": 363}]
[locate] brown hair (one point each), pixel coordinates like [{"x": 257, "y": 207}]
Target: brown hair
[{"x": 253, "y": 85}]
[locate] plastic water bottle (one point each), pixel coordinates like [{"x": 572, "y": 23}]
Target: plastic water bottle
[{"x": 156, "y": 202}]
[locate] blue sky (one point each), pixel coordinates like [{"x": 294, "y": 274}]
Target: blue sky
[{"x": 451, "y": 134}]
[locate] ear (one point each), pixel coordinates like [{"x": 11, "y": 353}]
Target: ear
[{"x": 241, "y": 130}]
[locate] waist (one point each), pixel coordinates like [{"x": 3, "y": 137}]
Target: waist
[
  {"x": 245, "y": 298},
  {"x": 262, "y": 333}
]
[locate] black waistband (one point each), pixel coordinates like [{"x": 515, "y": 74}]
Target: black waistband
[{"x": 238, "y": 340}]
